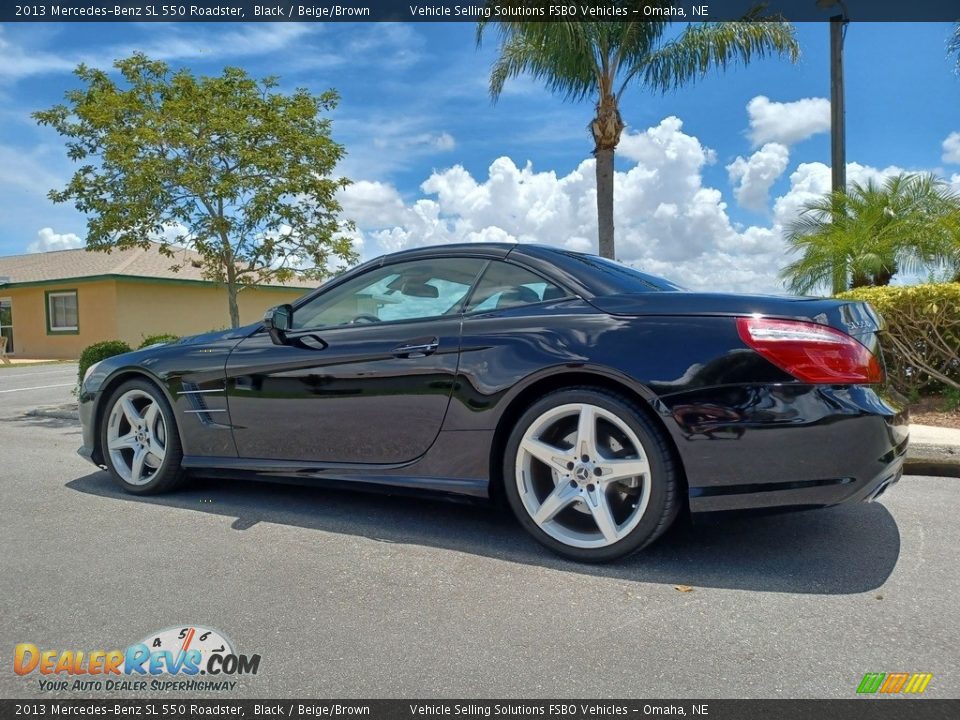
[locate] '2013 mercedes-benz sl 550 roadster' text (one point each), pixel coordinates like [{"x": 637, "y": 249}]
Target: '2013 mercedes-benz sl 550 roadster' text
[{"x": 597, "y": 401}]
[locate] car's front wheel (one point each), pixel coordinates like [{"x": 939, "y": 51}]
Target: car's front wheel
[
  {"x": 589, "y": 475},
  {"x": 139, "y": 439}
]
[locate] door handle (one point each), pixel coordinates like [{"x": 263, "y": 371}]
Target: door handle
[{"x": 417, "y": 349}]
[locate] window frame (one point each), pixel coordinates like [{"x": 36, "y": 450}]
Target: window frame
[
  {"x": 569, "y": 294},
  {"x": 47, "y": 298}
]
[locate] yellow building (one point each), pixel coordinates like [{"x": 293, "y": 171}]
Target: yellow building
[{"x": 54, "y": 304}]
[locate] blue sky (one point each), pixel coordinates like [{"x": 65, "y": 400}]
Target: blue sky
[{"x": 435, "y": 160}]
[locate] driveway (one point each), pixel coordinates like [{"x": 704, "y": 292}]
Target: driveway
[{"x": 356, "y": 595}]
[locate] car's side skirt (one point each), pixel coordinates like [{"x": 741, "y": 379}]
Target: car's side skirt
[{"x": 291, "y": 470}]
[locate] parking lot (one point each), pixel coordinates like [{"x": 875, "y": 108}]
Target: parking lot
[{"x": 357, "y": 595}]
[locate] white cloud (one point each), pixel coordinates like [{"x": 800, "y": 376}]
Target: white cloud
[
  {"x": 668, "y": 221},
  {"x": 754, "y": 176},
  {"x": 372, "y": 204},
  {"x": 788, "y": 122},
  {"x": 394, "y": 138},
  {"x": 951, "y": 149},
  {"x": 48, "y": 240},
  {"x": 172, "y": 43}
]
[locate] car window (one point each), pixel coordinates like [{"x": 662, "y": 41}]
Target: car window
[
  {"x": 405, "y": 291},
  {"x": 505, "y": 285},
  {"x": 622, "y": 277}
]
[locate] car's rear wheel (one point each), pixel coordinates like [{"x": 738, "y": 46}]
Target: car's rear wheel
[
  {"x": 139, "y": 440},
  {"x": 589, "y": 475}
]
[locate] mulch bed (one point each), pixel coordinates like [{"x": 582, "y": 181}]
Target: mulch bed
[{"x": 934, "y": 411}]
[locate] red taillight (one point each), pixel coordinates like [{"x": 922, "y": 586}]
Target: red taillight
[{"x": 810, "y": 352}]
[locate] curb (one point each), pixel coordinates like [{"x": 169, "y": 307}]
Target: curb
[
  {"x": 931, "y": 459},
  {"x": 922, "y": 458}
]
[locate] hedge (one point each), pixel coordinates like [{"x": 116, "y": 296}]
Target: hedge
[
  {"x": 97, "y": 352},
  {"x": 156, "y": 339},
  {"x": 922, "y": 343}
]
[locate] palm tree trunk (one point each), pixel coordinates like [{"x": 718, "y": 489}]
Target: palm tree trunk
[
  {"x": 605, "y": 202},
  {"x": 884, "y": 277},
  {"x": 839, "y": 278},
  {"x": 606, "y": 129}
]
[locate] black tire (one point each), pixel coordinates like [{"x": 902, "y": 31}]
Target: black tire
[
  {"x": 664, "y": 493},
  {"x": 168, "y": 475}
]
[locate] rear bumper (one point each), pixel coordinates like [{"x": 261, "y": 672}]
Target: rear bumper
[{"x": 787, "y": 447}]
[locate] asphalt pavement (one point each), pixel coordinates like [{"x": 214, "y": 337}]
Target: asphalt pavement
[{"x": 356, "y": 595}]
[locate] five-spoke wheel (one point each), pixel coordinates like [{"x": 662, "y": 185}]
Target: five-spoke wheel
[
  {"x": 139, "y": 439},
  {"x": 589, "y": 475}
]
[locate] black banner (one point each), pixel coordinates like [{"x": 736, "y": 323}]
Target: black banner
[
  {"x": 467, "y": 11},
  {"x": 853, "y": 709}
]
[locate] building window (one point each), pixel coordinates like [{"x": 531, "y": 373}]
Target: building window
[
  {"x": 6, "y": 322},
  {"x": 62, "y": 312}
]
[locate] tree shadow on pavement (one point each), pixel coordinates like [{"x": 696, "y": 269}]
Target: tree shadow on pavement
[{"x": 841, "y": 550}]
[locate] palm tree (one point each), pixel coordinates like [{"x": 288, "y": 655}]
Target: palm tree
[
  {"x": 868, "y": 234},
  {"x": 601, "y": 59},
  {"x": 953, "y": 44}
]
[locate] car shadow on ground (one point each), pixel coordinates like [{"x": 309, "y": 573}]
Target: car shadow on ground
[{"x": 841, "y": 550}]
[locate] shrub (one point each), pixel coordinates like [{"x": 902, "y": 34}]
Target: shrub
[
  {"x": 154, "y": 339},
  {"x": 97, "y": 352},
  {"x": 922, "y": 343}
]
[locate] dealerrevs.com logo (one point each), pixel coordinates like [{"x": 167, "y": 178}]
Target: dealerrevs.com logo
[{"x": 172, "y": 659}]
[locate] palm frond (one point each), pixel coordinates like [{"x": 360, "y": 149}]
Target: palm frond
[
  {"x": 560, "y": 54},
  {"x": 953, "y": 45},
  {"x": 872, "y": 231},
  {"x": 705, "y": 46}
]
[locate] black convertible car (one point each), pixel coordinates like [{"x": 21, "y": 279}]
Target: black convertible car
[{"x": 597, "y": 401}]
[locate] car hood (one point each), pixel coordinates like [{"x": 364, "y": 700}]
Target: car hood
[{"x": 217, "y": 335}]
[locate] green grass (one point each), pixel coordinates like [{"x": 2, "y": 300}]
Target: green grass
[{"x": 21, "y": 366}]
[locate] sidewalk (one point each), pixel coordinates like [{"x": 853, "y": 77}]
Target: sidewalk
[
  {"x": 932, "y": 451},
  {"x": 13, "y": 362}
]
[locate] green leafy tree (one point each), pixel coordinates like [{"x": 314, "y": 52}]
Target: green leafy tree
[
  {"x": 601, "y": 60},
  {"x": 868, "y": 234},
  {"x": 224, "y": 165}
]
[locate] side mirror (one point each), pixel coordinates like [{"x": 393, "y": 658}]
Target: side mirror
[{"x": 277, "y": 321}]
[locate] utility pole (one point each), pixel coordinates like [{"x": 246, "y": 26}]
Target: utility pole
[
  {"x": 838, "y": 142},
  {"x": 838, "y": 130}
]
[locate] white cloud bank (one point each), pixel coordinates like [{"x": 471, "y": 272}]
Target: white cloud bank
[
  {"x": 787, "y": 122},
  {"x": 668, "y": 221},
  {"x": 48, "y": 240}
]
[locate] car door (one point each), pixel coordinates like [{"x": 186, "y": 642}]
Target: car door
[{"x": 366, "y": 373}]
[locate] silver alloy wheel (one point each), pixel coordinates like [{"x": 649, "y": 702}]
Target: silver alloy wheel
[
  {"x": 136, "y": 437},
  {"x": 582, "y": 457}
]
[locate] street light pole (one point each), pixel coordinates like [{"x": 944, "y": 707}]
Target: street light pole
[
  {"x": 838, "y": 142},
  {"x": 838, "y": 139}
]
